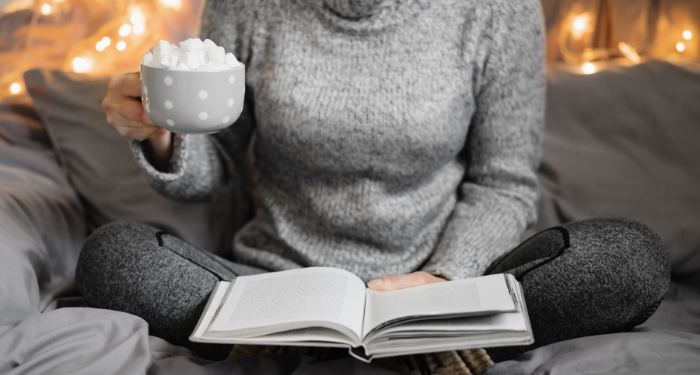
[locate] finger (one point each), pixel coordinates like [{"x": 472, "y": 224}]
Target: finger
[
  {"x": 132, "y": 129},
  {"x": 139, "y": 134},
  {"x": 161, "y": 139},
  {"x": 396, "y": 282},
  {"x": 128, "y": 84},
  {"x": 130, "y": 109}
]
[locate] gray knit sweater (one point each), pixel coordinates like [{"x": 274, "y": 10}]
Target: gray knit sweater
[{"x": 390, "y": 135}]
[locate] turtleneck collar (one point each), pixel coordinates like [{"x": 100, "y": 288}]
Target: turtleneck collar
[
  {"x": 367, "y": 16},
  {"x": 355, "y": 9}
]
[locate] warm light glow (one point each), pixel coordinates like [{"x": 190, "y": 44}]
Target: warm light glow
[
  {"x": 580, "y": 25},
  {"x": 139, "y": 28},
  {"x": 81, "y": 65},
  {"x": 680, "y": 47},
  {"x": 106, "y": 41},
  {"x": 687, "y": 35},
  {"x": 18, "y": 5},
  {"x": 125, "y": 30},
  {"x": 46, "y": 9},
  {"x": 629, "y": 52},
  {"x": 136, "y": 18},
  {"x": 121, "y": 46},
  {"x": 588, "y": 68},
  {"x": 175, "y": 4},
  {"x": 100, "y": 46},
  {"x": 15, "y": 88}
]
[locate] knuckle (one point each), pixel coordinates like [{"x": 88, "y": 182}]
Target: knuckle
[
  {"x": 134, "y": 113},
  {"x": 114, "y": 82}
]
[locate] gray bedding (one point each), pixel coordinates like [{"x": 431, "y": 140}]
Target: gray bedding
[{"x": 45, "y": 327}]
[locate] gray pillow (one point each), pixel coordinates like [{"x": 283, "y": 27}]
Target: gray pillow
[
  {"x": 42, "y": 223},
  {"x": 625, "y": 142},
  {"x": 101, "y": 167}
]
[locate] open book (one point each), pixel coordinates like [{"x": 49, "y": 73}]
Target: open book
[{"x": 322, "y": 306}]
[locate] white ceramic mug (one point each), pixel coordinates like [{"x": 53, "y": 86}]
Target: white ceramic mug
[{"x": 192, "y": 101}]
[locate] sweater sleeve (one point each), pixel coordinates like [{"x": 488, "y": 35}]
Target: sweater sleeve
[
  {"x": 203, "y": 166},
  {"x": 498, "y": 196}
]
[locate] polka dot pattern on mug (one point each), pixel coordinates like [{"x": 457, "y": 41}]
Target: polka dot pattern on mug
[
  {"x": 168, "y": 104},
  {"x": 168, "y": 80},
  {"x": 203, "y": 116},
  {"x": 225, "y": 121},
  {"x": 203, "y": 95},
  {"x": 231, "y": 79},
  {"x": 230, "y": 102},
  {"x": 170, "y": 122}
]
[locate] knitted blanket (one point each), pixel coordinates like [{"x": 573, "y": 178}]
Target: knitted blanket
[{"x": 456, "y": 362}]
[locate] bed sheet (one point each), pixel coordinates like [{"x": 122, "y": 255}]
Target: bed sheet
[{"x": 45, "y": 328}]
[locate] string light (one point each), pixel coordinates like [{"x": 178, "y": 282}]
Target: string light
[
  {"x": 687, "y": 35},
  {"x": 175, "y": 4},
  {"x": 81, "y": 65},
  {"x": 100, "y": 46},
  {"x": 589, "y": 68},
  {"x": 121, "y": 45},
  {"x": 580, "y": 25},
  {"x": 106, "y": 41},
  {"x": 680, "y": 46},
  {"x": 15, "y": 88},
  {"x": 629, "y": 52},
  {"x": 139, "y": 28},
  {"x": 136, "y": 18},
  {"x": 125, "y": 30},
  {"x": 46, "y": 9}
]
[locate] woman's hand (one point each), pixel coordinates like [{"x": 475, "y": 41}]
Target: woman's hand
[
  {"x": 396, "y": 282},
  {"x": 126, "y": 114}
]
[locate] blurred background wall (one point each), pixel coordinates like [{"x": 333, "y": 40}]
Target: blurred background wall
[{"x": 108, "y": 37}]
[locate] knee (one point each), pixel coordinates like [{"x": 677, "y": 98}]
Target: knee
[
  {"x": 105, "y": 250},
  {"x": 630, "y": 251}
]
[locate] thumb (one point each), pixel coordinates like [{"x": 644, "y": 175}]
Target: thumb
[{"x": 396, "y": 282}]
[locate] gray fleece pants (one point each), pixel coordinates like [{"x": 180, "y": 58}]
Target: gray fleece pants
[{"x": 584, "y": 278}]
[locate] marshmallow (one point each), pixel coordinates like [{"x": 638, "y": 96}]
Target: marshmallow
[
  {"x": 165, "y": 61},
  {"x": 191, "y": 54},
  {"x": 216, "y": 55},
  {"x": 208, "y": 44},
  {"x": 161, "y": 49},
  {"x": 174, "y": 61},
  {"x": 203, "y": 58},
  {"x": 208, "y": 67},
  {"x": 192, "y": 45},
  {"x": 191, "y": 60},
  {"x": 231, "y": 61},
  {"x": 148, "y": 59}
]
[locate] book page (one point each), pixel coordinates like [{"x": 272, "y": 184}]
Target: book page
[
  {"x": 282, "y": 301},
  {"x": 480, "y": 295},
  {"x": 501, "y": 322}
]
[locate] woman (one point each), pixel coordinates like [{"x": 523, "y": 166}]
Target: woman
[{"x": 397, "y": 139}]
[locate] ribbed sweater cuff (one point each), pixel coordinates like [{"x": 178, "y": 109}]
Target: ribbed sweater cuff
[{"x": 176, "y": 165}]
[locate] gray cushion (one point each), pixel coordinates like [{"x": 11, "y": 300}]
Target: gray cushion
[
  {"x": 101, "y": 166},
  {"x": 624, "y": 142},
  {"x": 41, "y": 218}
]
